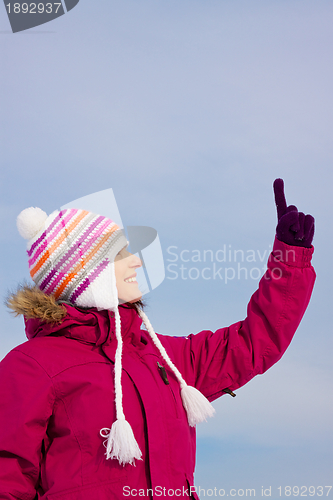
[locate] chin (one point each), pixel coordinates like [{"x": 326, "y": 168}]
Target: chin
[
  {"x": 131, "y": 298},
  {"x": 135, "y": 299}
]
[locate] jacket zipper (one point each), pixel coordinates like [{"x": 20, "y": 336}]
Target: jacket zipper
[
  {"x": 163, "y": 373},
  {"x": 165, "y": 379}
]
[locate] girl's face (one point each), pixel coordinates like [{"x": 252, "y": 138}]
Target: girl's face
[{"x": 125, "y": 265}]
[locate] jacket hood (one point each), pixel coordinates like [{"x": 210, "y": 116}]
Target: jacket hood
[
  {"x": 44, "y": 316},
  {"x": 32, "y": 303}
]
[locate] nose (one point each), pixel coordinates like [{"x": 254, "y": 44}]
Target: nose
[{"x": 135, "y": 261}]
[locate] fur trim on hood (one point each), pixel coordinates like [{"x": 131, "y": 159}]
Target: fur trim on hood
[{"x": 35, "y": 304}]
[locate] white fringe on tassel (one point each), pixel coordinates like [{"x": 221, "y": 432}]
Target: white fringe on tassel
[
  {"x": 120, "y": 443},
  {"x": 197, "y": 406}
]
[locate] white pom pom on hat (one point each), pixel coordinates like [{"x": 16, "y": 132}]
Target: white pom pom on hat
[{"x": 30, "y": 221}]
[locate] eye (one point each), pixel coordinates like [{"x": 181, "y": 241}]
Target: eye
[
  {"x": 118, "y": 256},
  {"x": 122, "y": 254}
]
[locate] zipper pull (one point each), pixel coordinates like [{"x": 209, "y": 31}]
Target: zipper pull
[
  {"x": 228, "y": 391},
  {"x": 163, "y": 373}
]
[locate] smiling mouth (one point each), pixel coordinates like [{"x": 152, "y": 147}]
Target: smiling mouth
[{"x": 130, "y": 280}]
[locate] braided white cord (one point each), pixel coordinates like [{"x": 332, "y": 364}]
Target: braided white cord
[
  {"x": 120, "y": 442},
  {"x": 118, "y": 356},
  {"x": 160, "y": 347}
]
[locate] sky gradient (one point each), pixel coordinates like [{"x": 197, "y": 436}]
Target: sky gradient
[{"x": 188, "y": 111}]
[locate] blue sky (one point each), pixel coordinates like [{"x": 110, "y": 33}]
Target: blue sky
[{"x": 189, "y": 110}]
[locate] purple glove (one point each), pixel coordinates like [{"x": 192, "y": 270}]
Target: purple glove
[{"x": 293, "y": 228}]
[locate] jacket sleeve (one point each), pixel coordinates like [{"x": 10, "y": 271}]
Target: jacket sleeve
[
  {"x": 26, "y": 401},
  {"x": 230, "y": 357}
]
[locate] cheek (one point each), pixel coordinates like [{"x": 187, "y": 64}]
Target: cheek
[
  {"x": 119, "y": 268},
  {"x": 117, "y": 272},
  {"x": 120, "y": 273}
]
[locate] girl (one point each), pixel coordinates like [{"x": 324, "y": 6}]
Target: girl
[{"x": 93, "y": 406}]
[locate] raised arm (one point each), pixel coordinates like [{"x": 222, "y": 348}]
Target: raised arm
[{"x": 230, "y": 357}]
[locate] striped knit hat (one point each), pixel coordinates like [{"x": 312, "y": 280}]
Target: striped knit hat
[{"x": 71, "y": 256}]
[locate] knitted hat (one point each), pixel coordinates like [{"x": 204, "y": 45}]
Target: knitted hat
[{"x": 71, "y": 256}]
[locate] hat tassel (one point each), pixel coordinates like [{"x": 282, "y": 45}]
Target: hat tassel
[
  {"x": 120, "y": 442},
  {"x": 196, "y": 405}
]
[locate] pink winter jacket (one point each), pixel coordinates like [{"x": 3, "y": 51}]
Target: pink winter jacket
[{"x": 57, "y": 391}]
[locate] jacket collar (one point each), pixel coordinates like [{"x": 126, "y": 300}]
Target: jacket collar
[{"x": 90, "y": 326}]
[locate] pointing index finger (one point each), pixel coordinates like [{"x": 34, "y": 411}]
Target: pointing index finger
[{"x": 280, "y": 199}]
